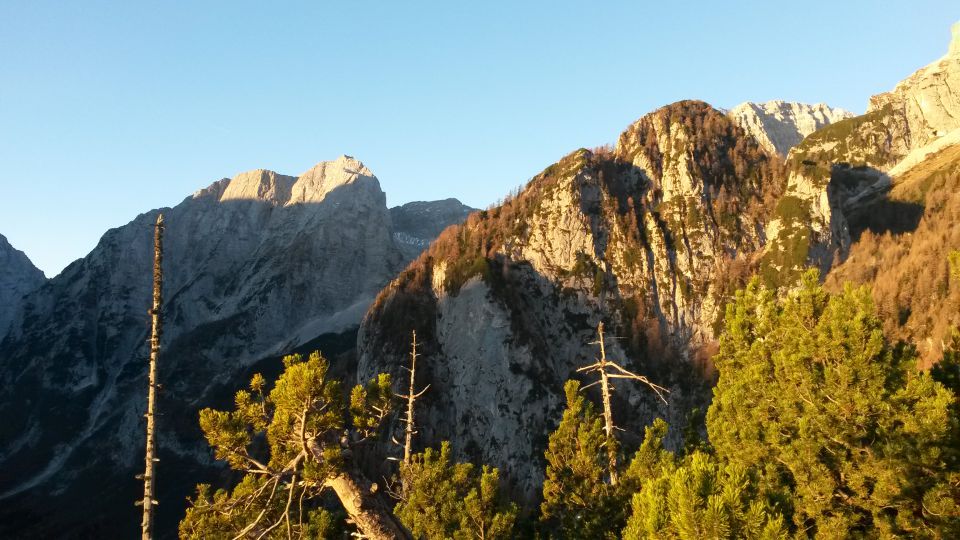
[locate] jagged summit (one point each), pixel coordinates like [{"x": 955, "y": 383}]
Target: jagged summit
[
  {"x": 324, "y": 177},
  {"x": 780, "y": 125},
  {"x": 310, "y": 187},
  {"x": 417, "y": 223}
]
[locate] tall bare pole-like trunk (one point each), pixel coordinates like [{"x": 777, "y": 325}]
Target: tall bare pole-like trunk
[
  {"x": 609, "y": 369},
  {"x": 148, "y": 501}
]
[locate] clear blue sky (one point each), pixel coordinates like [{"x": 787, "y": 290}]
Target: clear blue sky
[{"x": 109, "y": 109}]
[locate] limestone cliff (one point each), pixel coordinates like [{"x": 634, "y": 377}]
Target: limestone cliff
[
  {"x": 780, "y": 125},
  {"x": 644, "y": 237},
  {"x": 929, "y": 99}
]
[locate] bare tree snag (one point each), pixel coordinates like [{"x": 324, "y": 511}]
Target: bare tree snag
[
  {"x": 607, "y": 412},
  {"x": 148, "y": 501},
  {"x": 603, "y": 366},
  {"x": 411, "y": 396}
]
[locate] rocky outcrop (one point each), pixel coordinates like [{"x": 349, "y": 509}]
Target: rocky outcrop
[
  {"x": 18, "y": 276},
  {"x": 507, "y": 303},
  {"x": 929, "y": 99},
  {"x": 841, "y": 173},
  {"x": 255, "y": 266},
  {"x": 416, "y": 224},
  {"x": 780, "y": 125}
]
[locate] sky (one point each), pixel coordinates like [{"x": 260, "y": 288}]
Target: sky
[{"x": 110, "y": 109}]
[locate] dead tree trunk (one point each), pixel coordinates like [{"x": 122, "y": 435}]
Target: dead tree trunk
[
  {"x": 148, "y": 501},
  {"x": 607, "y": 412},
  {"x": 609, "y": 369},
  {"x": 411, "y": 396}
]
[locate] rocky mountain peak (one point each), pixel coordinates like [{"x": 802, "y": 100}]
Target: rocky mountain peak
[
  {"x": 417, "y": 223},
  {"x": 507, "y": 303},
  {"x": 682, "y": 149},
  {"x": 310, "y": 187},
  {"x": 259, "y": 185},
  {"x": 839, "y": 176},
  {"x": 324, "y": 177},
  {"x": 780, "y": 125}
]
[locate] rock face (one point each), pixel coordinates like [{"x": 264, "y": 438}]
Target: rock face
[
  {"x": 644, "y": 238},
  {"x": 780, "y": 125},
  {"x": 416, "y": 224},
  {"x": 929, "y": 99},
  {"x": 18, "y": 276},
  {"x": 841, "y": 173},
  {"x": 255, "y": 266}
]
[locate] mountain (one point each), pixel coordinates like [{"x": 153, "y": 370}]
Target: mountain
[
  {"x": 416, "y": 224},
  {"x": 18, "y": 276},
  {"x": 929, "y": 103},
  {"x": 652, "y": 238},
  {"x": 840, "y": 176},
  {"x": 781, "y": 125},
  {"x": 649, "y": 238},
  {"x": 255, "y": 266}
]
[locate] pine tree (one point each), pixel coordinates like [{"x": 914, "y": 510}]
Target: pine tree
[
  {"x": 947, "y": 370},
  {"x": 699, "y": 498},
  {"x": 309, "y": 446},
  {"x": 444, "y": 500},
  {"x": 850, "y": 437},
  {"x": 577, "y": 502},
  {"x": 582, "y": 493}
]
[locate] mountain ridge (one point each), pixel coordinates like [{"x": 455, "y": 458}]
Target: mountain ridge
[
  {"x": 507, "y": 303},
  {"x": 255, "y": 266}
]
